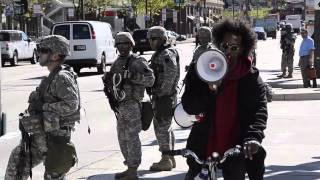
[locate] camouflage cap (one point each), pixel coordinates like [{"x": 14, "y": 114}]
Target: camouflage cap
[
  {"x": 205, "y": 31},
  {"x": 157, "y": 32},
  {"x": 124, "y": 37},
  {"x": 56, "y": 43}
]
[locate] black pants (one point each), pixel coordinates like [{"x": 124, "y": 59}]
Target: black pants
[{"x": 235, "y": 168}]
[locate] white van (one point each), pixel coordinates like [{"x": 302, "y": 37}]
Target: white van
[
  {"x": 91, "y": 44},
  {"x": 295, "y": 20}
]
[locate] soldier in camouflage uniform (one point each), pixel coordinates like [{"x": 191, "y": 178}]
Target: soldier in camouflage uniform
[
  {"x": 130, "y": 75},
  {"x": 205, "y": 39},
  {"x": 50, "y": 118},
  {"x": 165, "y": 65},
  {"x": 287, "y": 45}
]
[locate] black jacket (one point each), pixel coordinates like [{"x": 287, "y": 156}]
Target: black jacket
[{"x": 252, "y": 109}]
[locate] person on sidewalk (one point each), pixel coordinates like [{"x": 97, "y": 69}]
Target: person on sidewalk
[
  {"x": 129, "y": 76},
  {"x": 287, "y": 45},
  {"x": 235, "y": 112},
  {"x": 54, "y": 107},
  {"x": 166, "y": 68},
  {"x": 306, "y": 53}
]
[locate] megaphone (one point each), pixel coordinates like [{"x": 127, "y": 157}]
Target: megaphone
[
  {"x": 211, "y": 66},
  {"x": 182, "y": 118}
]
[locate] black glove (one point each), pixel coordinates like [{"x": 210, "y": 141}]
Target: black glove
[
  {"x": 35, "y": 106},
  {"x": 149, "y": 91}
]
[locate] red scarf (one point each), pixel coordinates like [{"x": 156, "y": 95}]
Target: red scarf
[{"x": 225, "y": 129}]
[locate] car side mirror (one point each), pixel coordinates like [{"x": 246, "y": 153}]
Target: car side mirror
[{"x": 29, "y": 40}]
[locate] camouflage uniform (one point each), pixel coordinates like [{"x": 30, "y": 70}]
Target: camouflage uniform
[
  {"x": 205, "y": 42},
  {"x": 133, "y": 85},
  {"x": 57, "y": 117},
  {"x": 287, "y": 45},
  {"x": 165, "y": 65}
]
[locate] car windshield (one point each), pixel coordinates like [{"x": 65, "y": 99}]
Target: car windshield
[
  {"x": 258, "y": 29},
  {"x": 4, "y": 37}
]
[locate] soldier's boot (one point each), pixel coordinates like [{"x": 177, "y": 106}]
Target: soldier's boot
[
  {"x": 288, "y": 76},
  {"x": 165, "y": 164},
  {"x": 281, "y": 75},
  {"x": 121, "y": 174},
  {"x": 131, "y": 174},
  {"x": 173, "y": 161}
]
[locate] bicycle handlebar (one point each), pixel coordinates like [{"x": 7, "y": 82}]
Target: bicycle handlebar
[{"x": 213, "y": 158}]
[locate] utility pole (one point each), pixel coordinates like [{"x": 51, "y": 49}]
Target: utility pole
[
  {"x": 233, "y": 9},
  {"x": 317, "y": 38},
  {"x": 146, "y": 16},
  {"x": 180, "y": 17},
  {"x": 81, "y": 9}
]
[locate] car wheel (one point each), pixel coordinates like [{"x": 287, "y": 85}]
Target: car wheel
[
  {"x": 3, "y": 62},
  {"x": 14, "y": 60},
  {"x": 141, "y": 52},
  {"x": 33, "y": 59},
  {"x": 102, "y": 66}
]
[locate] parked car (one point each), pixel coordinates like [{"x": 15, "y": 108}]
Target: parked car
[
  {"x": 16, "y": 46},
  {"x": 91, "y": 44},
  {"x": 141, "y": 41},
  {"x": 171, "y": 38},
  {"x": 179, "y": 37},
  {"x": 261, "y": 33}
]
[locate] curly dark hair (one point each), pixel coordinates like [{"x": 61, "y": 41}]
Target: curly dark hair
[{"x": 238, "y": 28}]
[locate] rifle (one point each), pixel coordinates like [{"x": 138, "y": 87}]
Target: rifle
[
  {"x": 25, "y": 148},
  {"x": 107, "y": 81}
]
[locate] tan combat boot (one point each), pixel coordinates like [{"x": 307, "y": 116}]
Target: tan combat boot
[
  {"x": 120, "y": 174},
  {"x": 165, "y": 164},
  {"x": 131, "y": 174},
  {"x": 173, "y": 162}
]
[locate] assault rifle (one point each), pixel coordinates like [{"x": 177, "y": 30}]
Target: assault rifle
[
  {"x": 107, "y": 81},
  {"x": 25, "y": 148}
]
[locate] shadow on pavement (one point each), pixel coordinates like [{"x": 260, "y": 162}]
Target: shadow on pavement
[
  {"x": 306, "y": 171},
  {"x": 100, "y": 177},
  {"x": 150, "y": 175}
]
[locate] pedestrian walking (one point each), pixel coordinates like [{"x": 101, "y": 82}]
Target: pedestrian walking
[
  {"x": 234, "y": 112},
  {"x": 306, "y": 53},
  {"x": 287, "y": 45},
  {"x": 166, "y": 68},
  {"x": 54, "y": 107},
  {"x": 128, "y": 78}
]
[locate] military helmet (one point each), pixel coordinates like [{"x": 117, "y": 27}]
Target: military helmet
[
  {"x": 124, "y": 37},
  {"x": 205, "y": 31},
  {"x": 288, "y": 27},
  {"x": 56, "y": 44},
  {"x": 157, "y": 32}
]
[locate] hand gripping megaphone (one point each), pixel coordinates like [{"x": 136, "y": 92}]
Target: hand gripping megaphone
[
  {"x": 183, "y": 119},
  {"x": 211, "y": 66}
]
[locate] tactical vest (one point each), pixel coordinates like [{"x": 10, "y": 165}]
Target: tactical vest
[
  {"x": 157, "y": 65},
  {"x": 132, "y": 91}
]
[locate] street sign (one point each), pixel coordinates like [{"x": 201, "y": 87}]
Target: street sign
[
  {"x": 9, "y": 10},
  {"x": 164, "y": 14},
  {"x": 175, "y": 16},
  {"x": 178, "y": 1},
  {"x": 70, "y": 12},
  {"x": 37, "y": 9}
]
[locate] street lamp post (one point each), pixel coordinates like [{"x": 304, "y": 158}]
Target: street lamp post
[
  {"x": 146, "y": 20},
  {"x": 257, "y": 9},
  {"x": 233, "y": 9}
]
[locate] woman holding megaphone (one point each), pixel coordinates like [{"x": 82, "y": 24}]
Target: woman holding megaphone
[{"x": 231, "y": 97}]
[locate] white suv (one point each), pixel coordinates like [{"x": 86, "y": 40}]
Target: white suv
[{"x": 16, "y": 46}]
